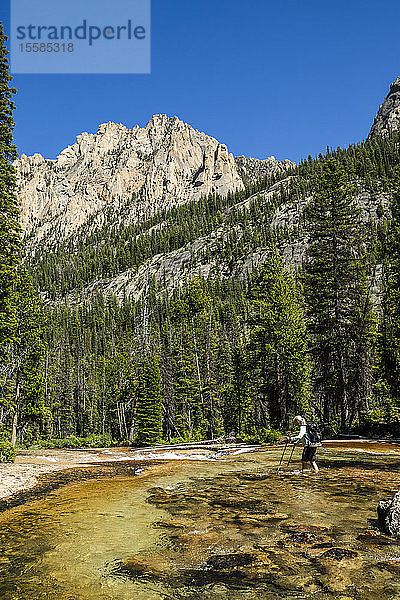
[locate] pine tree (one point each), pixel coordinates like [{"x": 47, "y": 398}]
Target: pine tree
[
  {"x": 390, "y": 323},
  {"x": 28, "y": 399},
  {"x": 278, "y": 344},
  {"x": 10, "y": 242},
  {"x": 239, "y": 409},
  {"x": 148, "y": 411},
  {"x": 339, "y": 313},
  {"x": 190, "y": 312}
]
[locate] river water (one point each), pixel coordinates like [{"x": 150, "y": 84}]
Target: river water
[{"x": 228, "y": 527}]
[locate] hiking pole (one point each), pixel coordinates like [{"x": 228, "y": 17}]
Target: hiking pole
[
  {"x": 290, "y": 458},
  {"x": 284, "y": 450}
]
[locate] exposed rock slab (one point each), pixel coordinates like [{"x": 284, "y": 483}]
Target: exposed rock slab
[
  {"x": 387, "y": 119},
  {"x": 389, "y": 515}
]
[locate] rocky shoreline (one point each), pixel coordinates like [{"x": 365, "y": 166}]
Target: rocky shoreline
[
  {"x": 37, "y": 483},
  {"x": 35, "y": 473},
  {"x": 15, "y": 478},
  {"x": 39, "y": 469}
]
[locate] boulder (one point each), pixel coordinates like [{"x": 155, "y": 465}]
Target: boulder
[{"x": 389, "y": 515}]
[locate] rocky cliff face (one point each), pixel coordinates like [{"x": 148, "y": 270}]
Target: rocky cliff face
[
  {"x": 252, "y": 169},
  {"x": 135, "y": 172},
  {"x": 118, "y": 176},
  {"x": 387, "y": 119},
  {"x": 204, "y": 256}
]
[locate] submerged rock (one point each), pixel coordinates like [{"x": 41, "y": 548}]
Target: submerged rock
[
  {"x": 238, "y": 568},
  {"x": 196, "y": 542},
  {"x": 339, "y": 554},
  {"x": 260, "y": 520},
  {"x": 153, "y": 567},
  {"x": 221, "y": 562},
  {"x": 375, "y": 538},
  {"x": 172, "y": 524},
  {"x": 240, "y": 504},
  {"x": 307, "y": 538},
  {"x": 391, "y": 565},
  {"x": 337, "y": 567},
  {"x": 254, "y": 476},
  {"x": 316, "y": 528},
  {"x": 389, "y": 515},
  {"x": 162, "y": 497}
]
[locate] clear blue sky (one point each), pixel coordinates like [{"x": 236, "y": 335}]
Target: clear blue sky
[{"x": 264, "y": 77}]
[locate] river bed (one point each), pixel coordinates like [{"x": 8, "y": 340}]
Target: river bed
[{"x": 208, "y": 526}]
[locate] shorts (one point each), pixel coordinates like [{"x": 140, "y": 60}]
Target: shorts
[{"x": 309, "y": 453}]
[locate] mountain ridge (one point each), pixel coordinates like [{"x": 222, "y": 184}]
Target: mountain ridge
[
  {"x": 165, "y": 163},
  {"x": 122, "y": 185}
]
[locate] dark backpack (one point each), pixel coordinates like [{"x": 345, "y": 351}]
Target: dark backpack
[{"x": 314, "y": 433}]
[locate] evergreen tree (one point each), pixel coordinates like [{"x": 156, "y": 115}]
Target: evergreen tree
[
  {"x": 389, "y": 337},
  {"x": 27, "y": 376},
  {"x": 10, "y": 243},
  {"x": 339, "y": 313},
  {"x": 192, "y": 404},
  {"x": 239, "y": 399},
  {"x": 148, "y": 410},
  {"x": 278, "y": 344}
]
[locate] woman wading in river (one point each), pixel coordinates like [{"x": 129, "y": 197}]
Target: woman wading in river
[{"x": 309, "y": 439}]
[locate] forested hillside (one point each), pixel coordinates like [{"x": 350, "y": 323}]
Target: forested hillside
[
  {"x": 222, "y": 315},
  {"x": 258, "y": 339}
]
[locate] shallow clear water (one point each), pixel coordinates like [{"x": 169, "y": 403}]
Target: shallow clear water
[{"x": 231, "y": 528}]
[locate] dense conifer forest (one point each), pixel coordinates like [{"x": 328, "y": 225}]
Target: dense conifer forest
[{"x": 227, "y": 355}]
